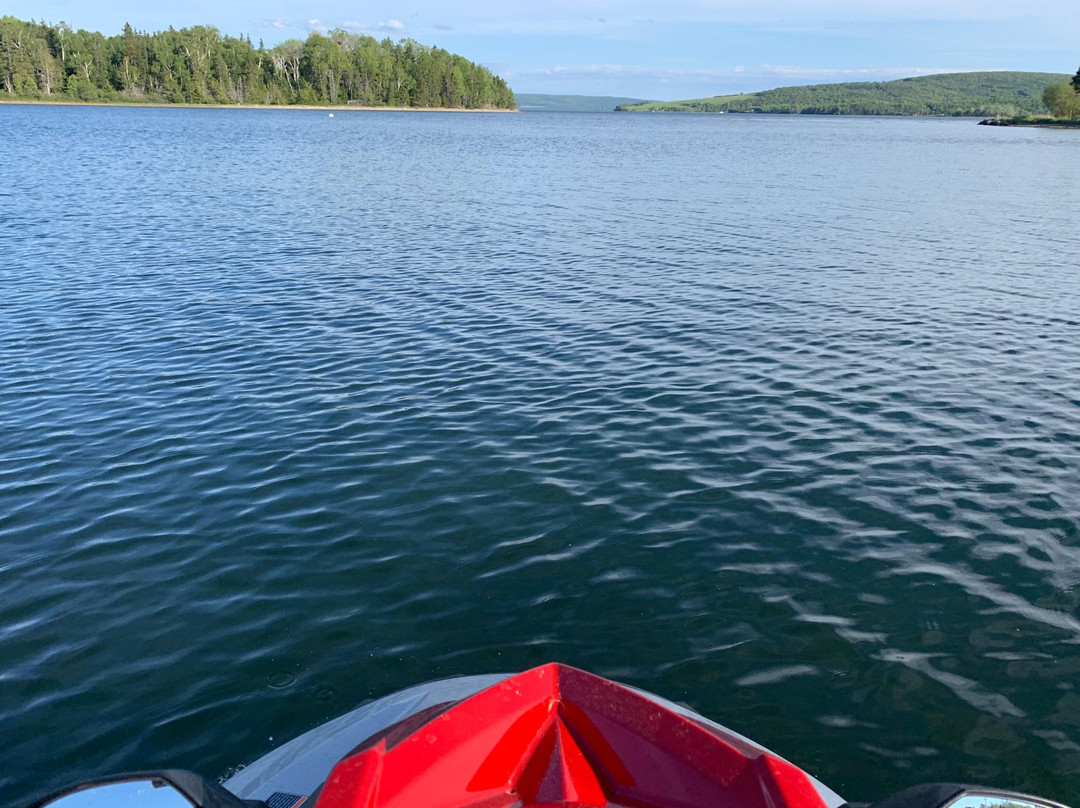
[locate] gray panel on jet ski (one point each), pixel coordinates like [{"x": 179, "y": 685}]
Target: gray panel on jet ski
[{"x": 301, "y": 765}]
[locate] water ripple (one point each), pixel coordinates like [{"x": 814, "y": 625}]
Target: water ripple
[{"x": 791, "y": 436}]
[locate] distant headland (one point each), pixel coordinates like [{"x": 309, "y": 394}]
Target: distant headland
[
  {"x": 200, "y": 66},
  {"x": 544, "y": 102},
  {"x": 1004, "y": 94}
]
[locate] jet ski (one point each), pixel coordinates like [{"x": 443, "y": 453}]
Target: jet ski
[{"x": 551, "y": 736}]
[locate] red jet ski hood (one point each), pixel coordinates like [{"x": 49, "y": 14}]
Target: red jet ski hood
[{"x": 556, "y": 735}]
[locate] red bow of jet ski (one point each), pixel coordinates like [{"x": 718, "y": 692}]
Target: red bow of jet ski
[{"x": 552, "y": 736}]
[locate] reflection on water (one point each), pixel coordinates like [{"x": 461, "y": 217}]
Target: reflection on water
[{"x": 774, "y": 416}]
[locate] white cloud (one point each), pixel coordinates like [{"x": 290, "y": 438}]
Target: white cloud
[
  {"x": 388, "y": 27},
  {"x": 845, "y": 73},
  {"x": 741, "y": 70},
  {"x": 277, "y": 24},
  {"x": 719, "y": 81},
  {"x": 671, "y": 83},
  {"x": 630, "y": 16}
]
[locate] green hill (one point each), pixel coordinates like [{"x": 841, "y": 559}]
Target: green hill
[
  {"x": 1005, "y": 93},
  {"x": 536, "y": 102}
]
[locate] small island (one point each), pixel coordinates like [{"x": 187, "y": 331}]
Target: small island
[
  {"x": 999, "y": 94},
  {"x": 200, "y": 66}
]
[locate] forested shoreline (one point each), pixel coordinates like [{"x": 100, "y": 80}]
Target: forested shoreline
[
  {"x": 200, "y": 65},
  {"x": 997, "y": 93}
]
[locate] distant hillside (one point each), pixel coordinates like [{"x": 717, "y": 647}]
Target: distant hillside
[
  {"x": 1005, "y": 93},
  {"x": 534, "y": 102}
]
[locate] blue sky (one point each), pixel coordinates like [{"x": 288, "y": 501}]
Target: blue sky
[{"x": 645, "y": 48}]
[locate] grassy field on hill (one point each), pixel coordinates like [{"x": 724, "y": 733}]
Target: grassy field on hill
[{"x": 1005, "y": 93}]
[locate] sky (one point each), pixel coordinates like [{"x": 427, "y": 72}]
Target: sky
[{"x": 652, "y": 49}]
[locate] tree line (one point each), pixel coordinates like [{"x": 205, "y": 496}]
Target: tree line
[
  {"x": 1063, "y": 98},
  {"x": 952, "y": 94},
  {"x": 199, "y": 65}
]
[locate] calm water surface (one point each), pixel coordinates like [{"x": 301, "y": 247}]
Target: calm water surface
[{"x": 777, "y": 416}]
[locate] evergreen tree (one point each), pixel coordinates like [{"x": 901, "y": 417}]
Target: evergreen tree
[{"x": 198, "y": 65}]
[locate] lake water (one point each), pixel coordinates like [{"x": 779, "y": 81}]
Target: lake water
[{"x": 776, "y": 416}]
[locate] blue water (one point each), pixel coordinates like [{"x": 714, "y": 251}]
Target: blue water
[{"x": 777, "y": 416}]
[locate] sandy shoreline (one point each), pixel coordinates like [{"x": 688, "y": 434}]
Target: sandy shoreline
[{"x": 345, "y": 108}]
